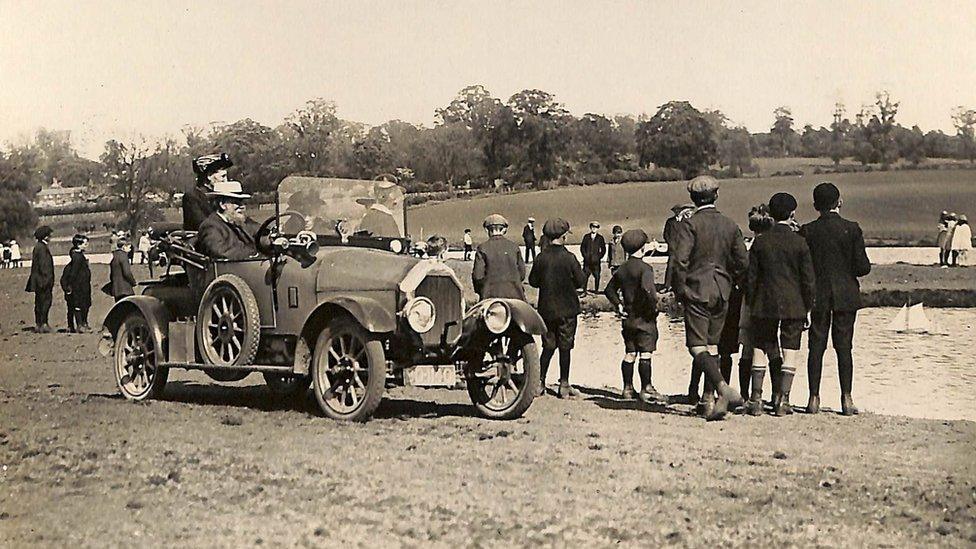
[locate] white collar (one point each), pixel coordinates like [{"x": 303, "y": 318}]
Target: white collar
[{"x": 706, "y": 206}]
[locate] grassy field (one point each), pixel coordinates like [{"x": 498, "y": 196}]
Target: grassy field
[{"x": 895, "y": 207}]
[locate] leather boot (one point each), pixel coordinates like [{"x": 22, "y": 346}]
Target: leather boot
[
  {"x": 813, "y": 405},
  {"x": 727, "y": 396},
  {"x": 847, "y": 407},
  {"x": 786, "y": 381},
  {"x": 755, "y": 406}
]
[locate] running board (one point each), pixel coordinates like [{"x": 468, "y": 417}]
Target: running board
[{"x": 248, "y": 368}]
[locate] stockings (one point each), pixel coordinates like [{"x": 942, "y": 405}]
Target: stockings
[{"x": 644, "y": 369}]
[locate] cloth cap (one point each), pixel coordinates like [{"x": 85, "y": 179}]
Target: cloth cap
[
  {"x": 594, "y": 224},
  {"x": 43, "y": 232},
  {"x": 230, "y": 189},
  {"x": 555, "y": 228},
  {"x": 825, "y": 194},
  {"x": 495, "y": 219},
  {"x": 531, "y": 220},
  {"x": 210, "y": 163},
  {"x": 617, "y": 229},
  {"x": 633, "y": 240},
  {"x": 703, "y": 184},
  {"x": 781, "y": 204}
]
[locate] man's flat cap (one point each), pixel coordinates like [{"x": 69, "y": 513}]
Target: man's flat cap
[
  {"x": 781, "y": 204},
  {"x": 495, "y": 219},
  {"x": 555, "y": 228},
  {"x": 703, "y": 184},
  {"x": 633, "y": 240}
]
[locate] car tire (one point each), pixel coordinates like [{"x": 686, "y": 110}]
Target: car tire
[
  {"x": 228, "y": 328},
  {"x": 287, "y": 386},
  {"x": 344, "y": 388},
  {"x": 522, "y": 385},
  {"x": 138, "y": 374}
]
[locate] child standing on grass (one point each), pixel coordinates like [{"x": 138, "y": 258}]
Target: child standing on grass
[
  {"x": 76, "y": 284},
  {"x": 616, "y": 256},
  {"x": 632, "y": 293},
  {"x": 468, "y": 245},
  {"x": 557, "y": 274}
]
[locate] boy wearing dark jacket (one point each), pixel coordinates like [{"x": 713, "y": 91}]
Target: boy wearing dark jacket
[
  {"x": 557, "y": 274},
  {"x": 780, "y": 289},
  {"x": 41, "y": 279},
  {"x": 839, "y": 258},
  {"x": 76, "y": 284},
  {"x": 632, "y": 293},
  {"x": 120, "y": 279},
  {"x": 593, "y": 248}
]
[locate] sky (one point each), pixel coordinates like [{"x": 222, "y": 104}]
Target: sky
[{"x": 104, "y": 69}]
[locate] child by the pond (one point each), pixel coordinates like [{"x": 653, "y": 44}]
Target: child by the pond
[
  {"x": 780, "y": 288},
  {"x": 76, "y": 284},
  {"x": 632, "y": 293},
  {"x": 616, "y": 255},
  {"x": 557, "y": 274},
  {"x": 839, "y": 258},
  {"x": 468, "y": 245}
]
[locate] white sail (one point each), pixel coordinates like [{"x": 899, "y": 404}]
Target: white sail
[
  {"x": 900, "y": 323},
  {"x": 917, "y": 321}
]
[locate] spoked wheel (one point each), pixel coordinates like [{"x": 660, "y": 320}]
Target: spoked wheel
[
  {"x": 287, "y": 386},
  {"x": 503, "y": 383},
  {"x": 137, "y": 371},
  {"x": 348, "y": 371},
  {"x": 228, "y": 323}
]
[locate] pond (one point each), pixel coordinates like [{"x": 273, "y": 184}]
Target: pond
[{"x": 924, "y": 376}]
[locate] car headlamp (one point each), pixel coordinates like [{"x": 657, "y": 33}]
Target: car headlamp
[
  {"x": 396, "y": 246},
  {"x": 420, "y": 314},
  {"x": 497, "y": 317}
]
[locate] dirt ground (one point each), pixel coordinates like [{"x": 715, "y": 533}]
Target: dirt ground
[{"x": 227, "y": 465}]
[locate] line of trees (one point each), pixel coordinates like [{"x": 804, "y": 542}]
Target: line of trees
[{"x": 478, "y": 140}]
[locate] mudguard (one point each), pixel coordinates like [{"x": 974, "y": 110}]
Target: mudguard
[
  {"x": 368, "y": 312},
  {"x": 525, "y": 320},
  {"x": 151, "y": 308}
]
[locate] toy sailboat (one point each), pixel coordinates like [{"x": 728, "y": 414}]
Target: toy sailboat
[{"x": 912, "y": 320}]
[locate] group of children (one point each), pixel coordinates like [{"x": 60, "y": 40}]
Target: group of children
[
  {"x": 955, "y": 239},
  {"x": 793, "y": 279},
  {"x": 10, "y": 255}
]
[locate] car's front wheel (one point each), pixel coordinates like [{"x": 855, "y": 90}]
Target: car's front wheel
[
  {"x": 137, "y": 371},
  {"x": 348, "y": 371},
  {"x": 503, "y": 380}
]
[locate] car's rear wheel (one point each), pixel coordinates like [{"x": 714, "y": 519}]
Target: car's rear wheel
[
  {"x": 137, "y": 371},
  {"x": 287, "y": 385},
  {"x": 348, "y": 371},
  {"x": 228, "y": 323},
  {"x": 502, "y": 382}
]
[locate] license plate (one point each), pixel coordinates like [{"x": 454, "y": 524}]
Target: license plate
[{"x": 430, "y": 376}]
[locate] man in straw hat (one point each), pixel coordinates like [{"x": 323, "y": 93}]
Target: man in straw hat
[
  {"x": 41, "y": 279},
  {"x": 223, "y": 235},
  {"x": 709, "y": 257}
]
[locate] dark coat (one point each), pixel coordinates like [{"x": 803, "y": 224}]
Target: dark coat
[
  {"x": 219, "y": 239},
  {"x": 780, "y": 282},
  {"x": 633, "y": 286},
  {"x": 42, "y": 269},
  {"x": 593, "y": 248},
  {"x": 196, "y": 209},
  {"x": 528, "y": 235},
  {"x": 498, "y": 269},
  {"x": 557, "y": 273},
  {"x": 120, "y": 279},
  {"x": 837, "y": 248},
  {"x": 669, "y": 229},
  {"x": 709, "y": 257},
  {"x": 76, "y": 280}
]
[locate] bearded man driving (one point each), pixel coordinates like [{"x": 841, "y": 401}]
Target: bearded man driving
[{"x": 227, "y": 233}]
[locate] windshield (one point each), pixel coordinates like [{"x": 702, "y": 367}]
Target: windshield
[{"x": 373, "y": 208}]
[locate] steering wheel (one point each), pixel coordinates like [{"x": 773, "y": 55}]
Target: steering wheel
[{"x": 273, "y": 225}]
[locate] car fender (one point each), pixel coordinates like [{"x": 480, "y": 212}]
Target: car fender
[
  {"x": 367, "y": 311},
  {"x": 474, "y": 333},
  {"x": 151, "y": 308}
]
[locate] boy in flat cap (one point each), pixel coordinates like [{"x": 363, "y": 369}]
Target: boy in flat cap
[
  {"x": 632, "y": 292},
  {"x": 616, "y": 255},
  {"x": 593, "y": 248},
  {"x": 528, "y": 238},
  {"x": 780, "y": 288},
  {"x": 557, "y": 274},
  {"x": 709, "y": 257},
  {"x": 839, "y": 258},
  {"x": 41, "y": 279},
  {"x": 76, "y": 284},
  {"x": 498, "y": 266}
]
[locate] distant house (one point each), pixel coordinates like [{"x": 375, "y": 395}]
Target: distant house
[{"x": 57, "y": 196}]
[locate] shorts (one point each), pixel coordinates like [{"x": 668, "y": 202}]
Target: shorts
[
  {"x": 468, "y": 248},
  {"x": 840, "y": 325},
  {"x": 703, "y": 324},
  {"x": 560, "y": 333},
  {"x": 640, "y": 339},
  {"x": 765, "y": 330}
]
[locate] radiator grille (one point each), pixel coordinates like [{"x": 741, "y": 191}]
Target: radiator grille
[{"x": 446, "y": 296}]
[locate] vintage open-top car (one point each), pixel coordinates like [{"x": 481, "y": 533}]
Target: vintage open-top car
[{"x": 341, "y": 308}]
